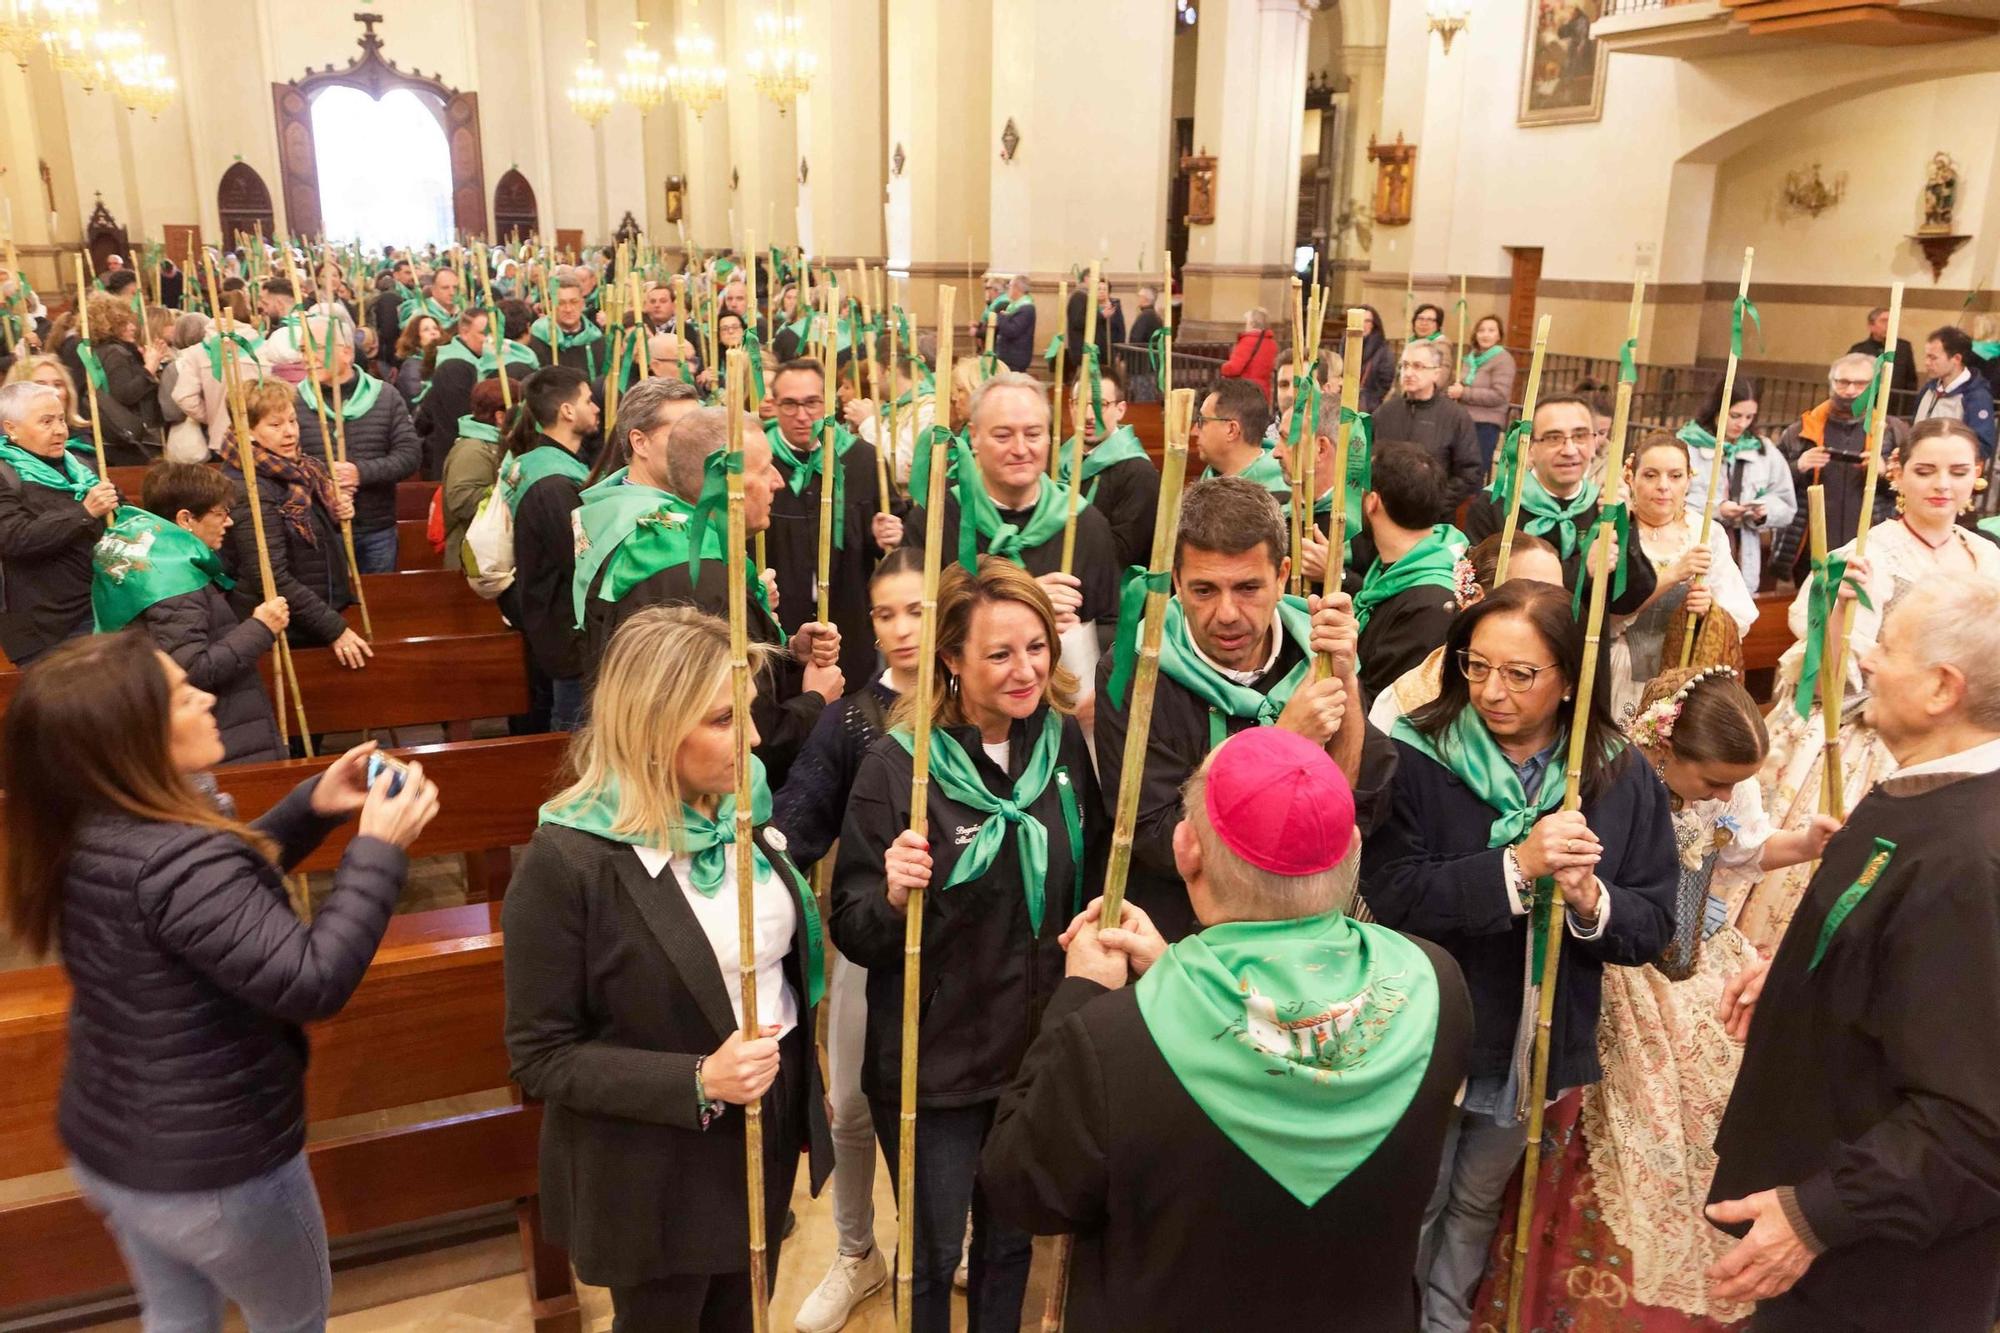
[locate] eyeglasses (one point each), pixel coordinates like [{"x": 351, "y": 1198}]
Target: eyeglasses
[
  {"x": 1200, "y": 421},
  {"x": 812, "y": 405},
  {"x": 1518, "y": 677},
  {"x": 1415, "y": 365},
  {"x": 1552, "y": 438}
]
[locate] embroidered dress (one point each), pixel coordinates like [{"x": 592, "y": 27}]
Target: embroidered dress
[{"x": 1640, "y": 649}]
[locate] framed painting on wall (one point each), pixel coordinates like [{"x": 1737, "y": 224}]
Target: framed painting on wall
[{"x": 1562, "y": 65}]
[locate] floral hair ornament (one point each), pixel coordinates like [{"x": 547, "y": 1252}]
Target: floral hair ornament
[
  {"x": 1654, "y": 727},
  {"x": 1465, "y": 587}
]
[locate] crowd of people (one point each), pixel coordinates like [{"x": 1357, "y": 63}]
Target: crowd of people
[{"x": 1305, "y": 1045}]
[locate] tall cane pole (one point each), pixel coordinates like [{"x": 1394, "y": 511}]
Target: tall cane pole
[
  {"x": 336, "y": 450},
  {"x": 1301, "y": 505},
  {"x": 884, "y": 445},
  {"x": 920, "y": 781},
  {"x": 1715, "y": 466},
  {"x": 746, "y": 886},
  {"x": 1831, "y": 798},
  {"x": 1336, "y": 518},
  {"x": 1835, "y": 653},
  {"x": 1528, "y": 400},
  {"x": 1166, "y": 522},
  {"x": 89, "y": 381},
  {"x": 1060, "y": 403},
  {"x": 1086, "y": 365},
  {"x": 1579, "y": 735}
]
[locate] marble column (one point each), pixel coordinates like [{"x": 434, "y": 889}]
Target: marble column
[
  {"x": 940, "y": 81},
  {"x": 840, "y": 133},
  {"x": 761, "y": 174}
]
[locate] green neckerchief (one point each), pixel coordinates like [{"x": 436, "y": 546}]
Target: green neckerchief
[
  {"x": 1120, "y": 446},
  {"x": 407, "y": 295},
  {"x": 425, "y": 305},
  {"x": 920, "y": 461},
  {"x": 1546, "y": 514},
  {"x": 1303, "y": 1041},
  {"x": 353, "y": 406},
  {"x": 212, "y": 344},
  {"x": 1227, "y": 700},
  {"x": 705, "y": 841},
  {"x": 483, "y": 365},
  {"x": 1005, "y": 305},
  {"x": 1431, "y": 563},
  {"x": 633, "y": 531},
  {"x": 1474, "y": 361},
  {"x": 1468, "y": 749},
  {"x": 142, "y": 559},
  {"x": 1265, "y": 471},
  {"x": 1850, "y": 898},
  {"x": 979, "y": 519},
  {"x": 799, "y": 472},
  {"x": 1985, "y": 350},
  {"x": 472, "y": 428},
  {"x": 588, "y": 337},
  {"x": 1429, "y": 337},
  {"x": 65, "y": 472},
  {"x": 1695, "y": 438},
  {"x": 952, "y": 771},
  {"x": 521, "y": 471}
]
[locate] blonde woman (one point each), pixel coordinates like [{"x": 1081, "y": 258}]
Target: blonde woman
[
  {"x": 1017, "y": 846},
  {"x": 624, "y": 1000}
]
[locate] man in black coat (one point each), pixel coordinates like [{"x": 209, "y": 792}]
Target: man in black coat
[
  {"x": 1859, "y": 1150},
  {"x": 52, "y": 511},
  {"x": 1406, "y": 601},
  {"x": 1146, "y": 1120},
  {"x": 1119, "y": 479},
  {"x": 1903, "y": 370},
  {"x": 1110, "y": 324},
  {"x": 1827, "y": 446},
  {"x": 1427, "y": 418},
  {"x": 1014, "y": 330},
  {"x": 567, "y": 337},
  {"x": 804, "y": 676},
  {"x": 382, "y": 446},
  {"x": 798, "y": 390},
  {"x": 1558, "y": 502},
  {"x": 542, "y": 478},
  {"x": 1232, "y": 658}
]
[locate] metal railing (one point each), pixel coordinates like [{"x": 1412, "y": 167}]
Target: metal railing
[{"x": 1196, "y": 365}]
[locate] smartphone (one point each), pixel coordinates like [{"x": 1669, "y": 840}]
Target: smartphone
[{"x": 379, "y": 763}]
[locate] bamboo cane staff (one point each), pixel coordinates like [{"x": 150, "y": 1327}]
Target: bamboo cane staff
[
  {"x": 1336, "y": 520},
  {"x": 1464, "y": 312},
  {"x": 746, "y": 884},
  {"x": 828, "y": 461},
  {"x": 1179, "y": 418},
  {"x": 1061, "y": 399},
  {"x": 920, "y": 781},
  {"x": 90, "y": 381},
  {"x": 1579, "y": 737},
  {"x": 286, "y": 675},
  {"x": 340, "y": 456},
  {"x": 1528, "y": 400},
  {"x": 1300, "y": 504},
  {"x": 1835, "y": 653},
  {"x": 1830, "y": 795},
  {"x": 498, "y": 337},
  {"x": 857, "y": 317},
  {"x": 1083, "y": 365},
  {"x": 884, "y": 443},
  {"x": 1308, "y": 464},
  {"x": 1721, "y": 423},
  {"x": 895, "y": 411},
  {"x": 992, "y": 328}
]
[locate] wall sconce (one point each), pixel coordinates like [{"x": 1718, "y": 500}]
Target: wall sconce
[
  {"x": 1447, "y": 18},
  {"x": 1808, "y": 193}
]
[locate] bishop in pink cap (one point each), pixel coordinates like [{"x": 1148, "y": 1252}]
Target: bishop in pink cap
[{"x": 1279, "y": 802}]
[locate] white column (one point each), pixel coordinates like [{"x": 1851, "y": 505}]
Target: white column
[
  {"x": 763, "y": 148},
  {"x": 840, "y": 124},
  {"x": 940, "y": 80},
  {"x": 1250, "y": 74}
]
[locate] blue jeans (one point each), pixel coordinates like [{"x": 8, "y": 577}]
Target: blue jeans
[
  {"x": 1489, "y": 434},
  {"x": 375, "y": 551},
  {"x": 566, "y": 711},
  {"x": 948, "y": 1144},
  {"x": 261, "y": 1244}
]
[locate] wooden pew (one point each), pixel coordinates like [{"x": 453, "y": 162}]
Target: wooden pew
[
  {"x": 425, "y": 1023},
  {"x": 425, "y": 603},
  {"x": 455, "y": 680},
  {"x": 413, "y": 499},
  {"x": 413, "y": 546},
  {"x": 1766, "y": 643}
]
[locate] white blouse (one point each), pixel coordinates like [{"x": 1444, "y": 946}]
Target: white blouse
[{"x": 776, "y": 916}]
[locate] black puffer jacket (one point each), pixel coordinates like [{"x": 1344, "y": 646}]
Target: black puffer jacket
[
  {"x": 129, "y": 404},
  {"x": 219, "y": 653},
  {"x": 383, "y": 445},
  {"x": 45, "y": 543},
  {"x": 192, "y": 977},
  {"x": 312, "y": 576},
  {"x": 986, "y": 975}
]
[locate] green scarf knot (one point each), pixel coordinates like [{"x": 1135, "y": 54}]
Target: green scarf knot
[
  {"x": 1628, "y": 363},
  {"x": 1863, "y": 406},
  {"x": 1156, "y": 351},
  {"x": 1822, "y": 598},
  {"x": 800, "y": 472},
  {"x": 1549, "y": 515},
  {"x": 65, "y": 472},
  {"x": 1469, "y": 751},
  {"x": 1620, "y": 517},
  {"x": 1181, "y": 663},
  {"x": 1431, "y": 563},
  {"x": 979, "y": 517},
  {"x": 1475, "y": 360},
  {"x": 1137, "y": 582}
]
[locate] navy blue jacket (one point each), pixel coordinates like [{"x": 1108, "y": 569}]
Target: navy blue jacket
[{"x": 1428, "y": 871}]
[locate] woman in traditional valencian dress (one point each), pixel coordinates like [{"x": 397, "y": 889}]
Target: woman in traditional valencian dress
[
  {"x": 1670, "y": 535},
  {"x": 1622, "y": 1244},
  {"x": 1936, "y": 477}
]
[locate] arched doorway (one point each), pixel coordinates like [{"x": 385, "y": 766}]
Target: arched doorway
[
  {"x": 349, "y": 129},
  {"x": 455, "y": 113},
  {"x": 514, "y": 214},
  {"x": 244, "y": 203}
]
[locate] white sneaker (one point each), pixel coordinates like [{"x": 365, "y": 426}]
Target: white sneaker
[{"x": 852, "y": 1280}]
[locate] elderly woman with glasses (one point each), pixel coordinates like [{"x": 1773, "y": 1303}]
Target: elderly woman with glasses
[{"x": 1477, "y": 850}]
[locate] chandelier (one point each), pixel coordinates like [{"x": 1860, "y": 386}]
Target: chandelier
[
  {"x": 112, "y": 46},
  {"x": 591, "y": 95},
  {"x": 696, "y": 79},
  {"x": 1447, "y": 18},
  {"x": 780, "y": 66},
  {"x": 143, "y": 84},
  {"x": 69, "y": 29},
  {"x": 642, "y": 83},
  {"x": 21, "y": 25}
]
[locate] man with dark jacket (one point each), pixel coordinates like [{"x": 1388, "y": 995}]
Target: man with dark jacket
[
  {"x": 541, "y": 480},
  {"x": 1119, "y": 479},
  {"x": 567, "y": 337},
  {"x": 52, "y": 511},
  {"x": 1435, "y": 423},
  {"x": 1110, "y": 324},
  {"x": 1903, "y": 375},
  {"x": 1827, "y": 446},
  {"x": 1956, "y": 390},
  {"x": 468, "y": 358},
  {"x": 382, "y": 446},
  {"x": 1014, "y": 328},
  {"x": 1162, "y": 1118},
  {"x": 1406, "y": 601}
]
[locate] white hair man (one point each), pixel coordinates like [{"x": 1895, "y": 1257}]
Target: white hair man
[
  {"x": 1827, "y": 446},
  {"x": 52, "y": 511},
  {"x": 1858, "y": 1158},
  {"x": 1264, "y": 1096}
]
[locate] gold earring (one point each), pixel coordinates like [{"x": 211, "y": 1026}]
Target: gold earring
[{"x": 1899, "y": 502}]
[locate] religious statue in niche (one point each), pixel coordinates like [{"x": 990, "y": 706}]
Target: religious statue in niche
[
  {"x": 1395, "y": 178},
  {"x": 1562, "y": 75},
  {"x": 1200, "y": 172},
  {"x": 676, "y": 197},
  {"x": 1940, "y": 196}
]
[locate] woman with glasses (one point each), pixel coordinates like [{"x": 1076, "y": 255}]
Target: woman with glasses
[
  {"x": 1757, "y": 492},
  {"x": 1474, "y": 854}
]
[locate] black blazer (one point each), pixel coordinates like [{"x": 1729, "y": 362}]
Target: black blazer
[{"x": 613, "y": 994}]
